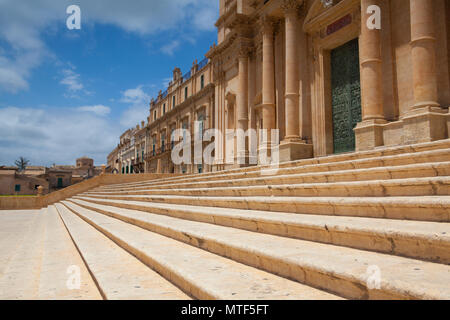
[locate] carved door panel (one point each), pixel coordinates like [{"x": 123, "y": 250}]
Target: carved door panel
[{"x": 346, "y": 95}]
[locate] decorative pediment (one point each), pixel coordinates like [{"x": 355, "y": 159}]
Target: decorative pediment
[{"x": 324, "y": 12}]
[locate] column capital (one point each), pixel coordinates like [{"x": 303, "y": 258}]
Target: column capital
[
  {"x": 244, "y": 50},
  {"x": 267, "y": 24},
  {"x": 290, "y": 6}
]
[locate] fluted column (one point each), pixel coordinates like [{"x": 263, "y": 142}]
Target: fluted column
[
  {"x": 371, "y": 76},
  {"x": 292, "y": 64},
  {"x": 423, "y": 53}
]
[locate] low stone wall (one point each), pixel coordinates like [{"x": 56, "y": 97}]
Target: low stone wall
[{"x": 26, "y": 203}]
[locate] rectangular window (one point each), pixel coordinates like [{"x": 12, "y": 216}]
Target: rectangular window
[
  {"x": 185, "y": 93},
  {"x": 154, "y": 115},
  {"x": 202, "y": 81},
  {"x": 185, "y": 127},
  {"x": 17, "y": 188},
  {"x": 164, "y": 108},
  {"x": 173, "y": 102},
  {"x": 60, "y": 182}
]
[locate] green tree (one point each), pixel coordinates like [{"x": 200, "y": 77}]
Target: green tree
[{"x": 22, "y": 163}]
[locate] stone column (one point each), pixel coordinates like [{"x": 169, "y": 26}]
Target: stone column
[
  {"x": 292, "y": 147},
  {"x": 425, "y": 121},
  {"x": 423, "y": 54},
  {"x": 292, "y": 66},
  {"x": 242, "y": 108},
  {"x": 268, "y": 82},
  {"x": 369, "y": 133}
]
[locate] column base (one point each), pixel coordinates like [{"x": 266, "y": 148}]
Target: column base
[
  {"x": 369, "y": 134},
  {"x": 295, "y": 150},
  {"x": 425, "y": 125}
]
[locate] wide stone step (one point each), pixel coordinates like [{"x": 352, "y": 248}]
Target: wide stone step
[
  {"x": 39, "y": 267},
  {"x": 425, "y": 170},
  {"x": 15, "y": 227},
  {"x": 344, "y": 271},
  {"x": 435, "y": 209},
  {"x": 197, "y": 272},
  {"x": 376, "y": 188},
  {"x": 118, "y": 274},
  {"x": 396, "y": 160},
  {"x": 420, "y": 240}
]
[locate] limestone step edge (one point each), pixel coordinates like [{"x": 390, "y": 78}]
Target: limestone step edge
[
  {"x": 419, "y": 240},
  {"x": 434, "y": 209},
  {"x": 423, "y": 170},
  {"x": 343, "y": 271},
  {"x": 61, "y": 261},
  {"x": 430, "y": 186},
  {"x": 118, "y": 274},
  {"x": 199, "y": 273},
  {"x": 379, "y": 153}
]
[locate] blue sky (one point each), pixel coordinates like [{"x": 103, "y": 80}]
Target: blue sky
[{"x": 71, "y": 93}]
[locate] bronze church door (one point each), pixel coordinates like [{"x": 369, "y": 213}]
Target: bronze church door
[{"x": 346, "y": 95}]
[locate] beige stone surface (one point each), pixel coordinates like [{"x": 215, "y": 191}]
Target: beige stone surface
[
  {"x": 423, "y": 240},
  {"x": 378, "y": 173},
  {"x": 365, "y": 160},
  {"x": 375, "y": 188},
  {"x": 315, "y": 264},
  {"x": 409, "y": 208},
  {"x": 118, "y": 274},
  {"x": 36, "y": 257},
  {"x": 197, "y": 272}
]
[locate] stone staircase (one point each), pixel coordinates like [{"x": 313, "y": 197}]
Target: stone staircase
[{"x": 367, "y": 225}]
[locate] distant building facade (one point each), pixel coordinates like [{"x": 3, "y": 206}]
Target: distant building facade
[
  {"x": 57, "y": 177},
  {"x": 328, "y": 76},
  {"x": 188, "y": 99},
  {"x": 14, "y": 183}
]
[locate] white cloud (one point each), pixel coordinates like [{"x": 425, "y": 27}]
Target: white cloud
[
  {"x": 135, "y": 96},
  {"x": 71, "y": 80},
  {"x": 138, "y": 108},
  {"x": 57, "y": 135},
  {"x": 170, "y": 47},
  {"x": 22, "y": 22},
  {"x": 98, "y": 109},
  {"x": 11, "y": 80}
]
